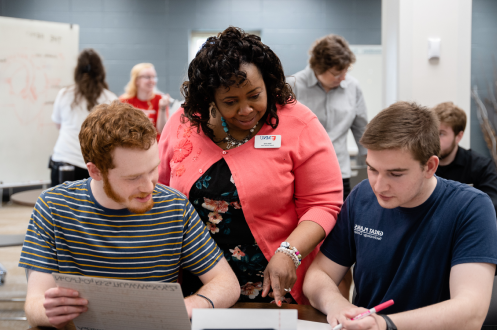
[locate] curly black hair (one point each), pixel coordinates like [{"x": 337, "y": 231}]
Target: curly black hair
[{"x": 218, "y": 63}]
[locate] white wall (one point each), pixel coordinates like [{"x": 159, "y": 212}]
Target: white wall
[
  {"x": 368, "y": 71},
  {"x": 389, "y": 38},
  {"x": 409, "y": 76}
]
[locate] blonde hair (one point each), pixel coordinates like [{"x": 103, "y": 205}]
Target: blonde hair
[{"x": 130, "y": 89}]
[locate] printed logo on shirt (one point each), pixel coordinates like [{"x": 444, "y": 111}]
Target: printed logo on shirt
[
  {"x": 268, "y": 137},
  {"x": 368, "y": 232}
]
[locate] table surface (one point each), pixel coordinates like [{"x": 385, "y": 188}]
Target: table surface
[
  {"x": 305, "y": 312},
  {"x": 12, "y": 240},
  {"x": 27, "y": 198}
]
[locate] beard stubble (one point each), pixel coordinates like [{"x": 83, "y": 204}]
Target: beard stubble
[{"x": 112, "y": 194}]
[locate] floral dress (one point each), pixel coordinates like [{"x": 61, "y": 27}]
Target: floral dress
[{"x": 216, "y": 201}]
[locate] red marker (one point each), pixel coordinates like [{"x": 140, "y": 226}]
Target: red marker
[{"x": 369, "y": 312}]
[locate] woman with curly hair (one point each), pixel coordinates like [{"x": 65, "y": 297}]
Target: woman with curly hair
[
  {"x": 71, "y": 107},
  {"x": 255, "y": 164}
]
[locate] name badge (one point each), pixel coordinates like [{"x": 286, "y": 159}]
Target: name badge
[{"x": 267, "y": 141}]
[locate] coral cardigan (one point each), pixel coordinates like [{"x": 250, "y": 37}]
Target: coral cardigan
[{"x": 278, "y": 188}]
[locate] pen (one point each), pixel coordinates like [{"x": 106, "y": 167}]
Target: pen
[{"x": 369, "y": 312}]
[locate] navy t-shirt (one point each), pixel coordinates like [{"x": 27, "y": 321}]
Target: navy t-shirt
[{"x": 406, "y": 254}]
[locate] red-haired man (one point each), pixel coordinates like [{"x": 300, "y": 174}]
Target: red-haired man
[{"x": 120, "y": 223}]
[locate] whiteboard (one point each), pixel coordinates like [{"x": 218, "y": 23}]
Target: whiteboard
[
  {"x": 368, "y": 71},
  {"x": 37, "y": 59}
]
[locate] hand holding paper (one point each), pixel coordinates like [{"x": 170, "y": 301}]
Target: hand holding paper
[
  {"x": 122, "y": 304},
  {"x": 63, "y": 305}
]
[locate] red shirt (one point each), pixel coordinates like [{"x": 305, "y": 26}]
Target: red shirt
[{"x": 150, "y": 107}]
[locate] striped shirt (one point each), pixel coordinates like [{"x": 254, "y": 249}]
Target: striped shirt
[{"x": 70, "y": 233}]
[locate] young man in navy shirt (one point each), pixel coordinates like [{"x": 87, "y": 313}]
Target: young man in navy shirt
[{"x": 427, "y": 243}]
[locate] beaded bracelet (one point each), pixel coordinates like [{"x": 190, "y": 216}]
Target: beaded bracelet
[
  {"x": 293, "y": 248},
  {"x": 290, "y": 254},
  {"x": 290, "y": 251}
]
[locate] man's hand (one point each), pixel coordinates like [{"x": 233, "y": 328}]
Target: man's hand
[
  {"x": 279, "y": 274},
  {"x": 63, "y": 305},
  {"x": 344, "y": 317}
]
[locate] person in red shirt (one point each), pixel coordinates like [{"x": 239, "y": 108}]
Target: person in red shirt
[{"x": 141, "y": 93}]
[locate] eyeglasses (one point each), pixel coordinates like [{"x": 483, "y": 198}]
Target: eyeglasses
[
  {"x": 153, "y": 78},
  {"x": 342, "y": 73}
]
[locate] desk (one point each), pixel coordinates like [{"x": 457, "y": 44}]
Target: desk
[
  {"x": 307, "y": 313},
  {"x": 10, "y": 186},
  {"x": 27, "y": 198},
  {"x": 11, "y": 240}
]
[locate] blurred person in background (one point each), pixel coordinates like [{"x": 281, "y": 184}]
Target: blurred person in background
[
  {"x": 141, "y": 92},
  {"x": 71, "y": 107},
  {"x": 326, "y": 87},
  {"x": 457, "y": 163}
]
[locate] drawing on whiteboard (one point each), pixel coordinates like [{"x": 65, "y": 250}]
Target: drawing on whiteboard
[
  {"x": 26, "y": 78},
  {"x": 37, "y": 60}
]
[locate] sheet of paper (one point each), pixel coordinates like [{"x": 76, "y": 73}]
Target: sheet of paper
[
  {"x": 119, "y": 304},
  {"x": 308, "y": 325},
  {"x": 239, "y": 318}
]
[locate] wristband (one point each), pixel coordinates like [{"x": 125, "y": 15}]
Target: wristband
[
  {"x": 210, "y": 301},
  {"x": 388, "y": 321}
]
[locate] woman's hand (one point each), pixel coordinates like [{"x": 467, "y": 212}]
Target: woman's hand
[
  {"x": 164, "y": 101},
  {"x": 163, "y": 114},
  {"x": 280, "y": 274}
]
